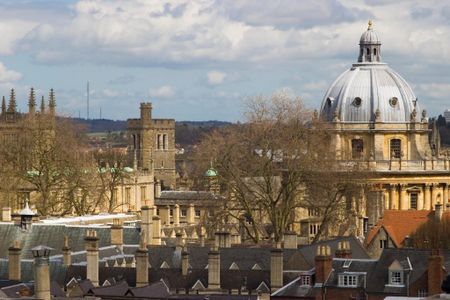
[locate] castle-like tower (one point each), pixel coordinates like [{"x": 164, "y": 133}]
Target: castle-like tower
[{"x": 151, "y": 145}]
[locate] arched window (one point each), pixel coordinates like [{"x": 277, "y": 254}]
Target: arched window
[
  {"x": 374, "y": 51},
  {"x": 368, "y": 51},
  {"x": 357, "y": 148},
  {"x": 396, "y": 148}
]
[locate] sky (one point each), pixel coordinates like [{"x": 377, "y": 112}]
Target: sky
[{"x": 198, "y": 59}]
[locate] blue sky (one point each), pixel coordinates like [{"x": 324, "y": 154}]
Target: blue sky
[{"x": 197, "y": 59}]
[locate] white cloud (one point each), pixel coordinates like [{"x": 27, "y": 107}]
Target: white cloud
[
  {"x": 111, "y": 93},
  {"x": 7, "y": 76},
  {"x": 165, "y": 91},
  {"x": 216, "y": 77}
]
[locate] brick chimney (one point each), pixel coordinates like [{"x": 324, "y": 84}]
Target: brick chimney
[
  {"x": 276, "y": 268},
  {"x": 214, "y": 268},
  {"x": 343, "y": 250},
  {"x": 435, "y": 272},
  {"x": 142, "y": 261},
  {"x": 156, "y": 231},
  {"x": 323, "y": 263},
  {"x": 14, "y": 267},
  {"x": 91, "y": 244},
  {"x": 147, "y": 222},
  {"x": 66, "y": 251},
  {"x": 117, "y": 233},
  {"x": 184, "y": 261}
]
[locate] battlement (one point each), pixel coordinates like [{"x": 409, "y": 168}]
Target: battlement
[{"x": 163, "y": 123}]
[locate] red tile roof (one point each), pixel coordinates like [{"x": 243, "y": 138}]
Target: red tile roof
[{"x": 400, "y": 223}]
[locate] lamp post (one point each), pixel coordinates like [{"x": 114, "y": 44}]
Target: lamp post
[{"x": 41, "y": 256}]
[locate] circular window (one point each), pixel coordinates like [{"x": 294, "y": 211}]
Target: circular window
[
  {"x": 357, "y": 101},
  {"x": 393, "y": 101}
]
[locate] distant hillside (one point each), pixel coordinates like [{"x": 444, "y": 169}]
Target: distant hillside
[{"x": 186, "y": 132}]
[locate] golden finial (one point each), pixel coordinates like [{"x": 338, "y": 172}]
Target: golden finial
[{"x": 370, "y": 25}]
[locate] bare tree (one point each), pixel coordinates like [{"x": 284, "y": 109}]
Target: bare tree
[
  {"x": 277, "y": 161},
  {"x": 434, "y": 234},
  {"x": 112, "y": 173}
]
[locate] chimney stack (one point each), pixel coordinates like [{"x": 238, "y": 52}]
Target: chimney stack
[
  {"x": 276, "y": 268},
  {"x": 91, "y": 244},
  {"x": 179, "y": 240},
  {"x": 147, "y": 222},
  {"x": 435, "y": 272},
  {"x": 290, "y": 240},
  {"x": 156, "y": 230},
  {"x": 323, "y": 263},
  {"x": 142, "y": 262},
  {"x": 438, "y": 211},
  {"x": 6, "y": 214},
  {"x": 184, "y": 261},
  {"x": 214, "y": 268},
  {"x": 67, "y": 254},
  {"x": 14, "y": 265},
  {"x": 343, "y": 250},
  {"x": 117, "y": 234},
  {"x": 41, "y": 256}
]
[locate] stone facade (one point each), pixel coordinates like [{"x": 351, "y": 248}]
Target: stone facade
[{"x": 151, "y": 145}]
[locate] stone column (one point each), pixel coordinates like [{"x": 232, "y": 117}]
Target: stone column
[
  {"x": 67, "y": 253},
  {"x": 117, "y": 233},
  {"x": 91, "y": 243},
  {"x": 392, "y": 196},
  {"x": 14, "y": 265},
  {"x": 214, "y": 269},
  {"x": 190, "y": 215},
  {"x": 276, "y": 268},
  {"x": 176, "y": 215},
  {"x": 147, "y": 222},
  {"x": 445, "y": 195},
  {"x": 427, "y": 197},
  {"x": 164, "y": 214},
  {"x": 434, "y": 192},
  {"x": 420, "y": 204},
  {"x": 403, "y": 197},
  {"x": 156, "y": 231},
  {"x": 142, "y": 261}
]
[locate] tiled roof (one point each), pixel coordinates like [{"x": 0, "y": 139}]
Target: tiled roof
[{"x": 399, "y": 223}]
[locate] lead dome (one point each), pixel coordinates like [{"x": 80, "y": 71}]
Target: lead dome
[{"x": 370, "y": 90}]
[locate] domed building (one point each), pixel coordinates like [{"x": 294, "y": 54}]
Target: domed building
[{"x": 379, "y": 126}]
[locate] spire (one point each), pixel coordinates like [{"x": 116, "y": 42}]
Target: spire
[
  {"x": 31, "y": 102},
  {"x": 12, "y": 101},
  {"x": 3, "y": 105},
  {"x": 52, "y": 102},
  {"x": 42, "y": 105}
]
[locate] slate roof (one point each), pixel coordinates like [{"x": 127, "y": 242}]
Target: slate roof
[
  {"x": 52, "y": 236},
  {"x": 362, "y": 266}
]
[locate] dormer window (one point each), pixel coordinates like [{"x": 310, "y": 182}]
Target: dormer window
[
  {"x": 348, "y": 280},
  {"x": 305, "y": 280},
  {"x": 396, "y": 277}
]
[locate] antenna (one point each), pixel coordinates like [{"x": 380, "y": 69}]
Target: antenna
[
  {"x": 87, "y": 108},
  {"x": 100, "y": 113}
]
